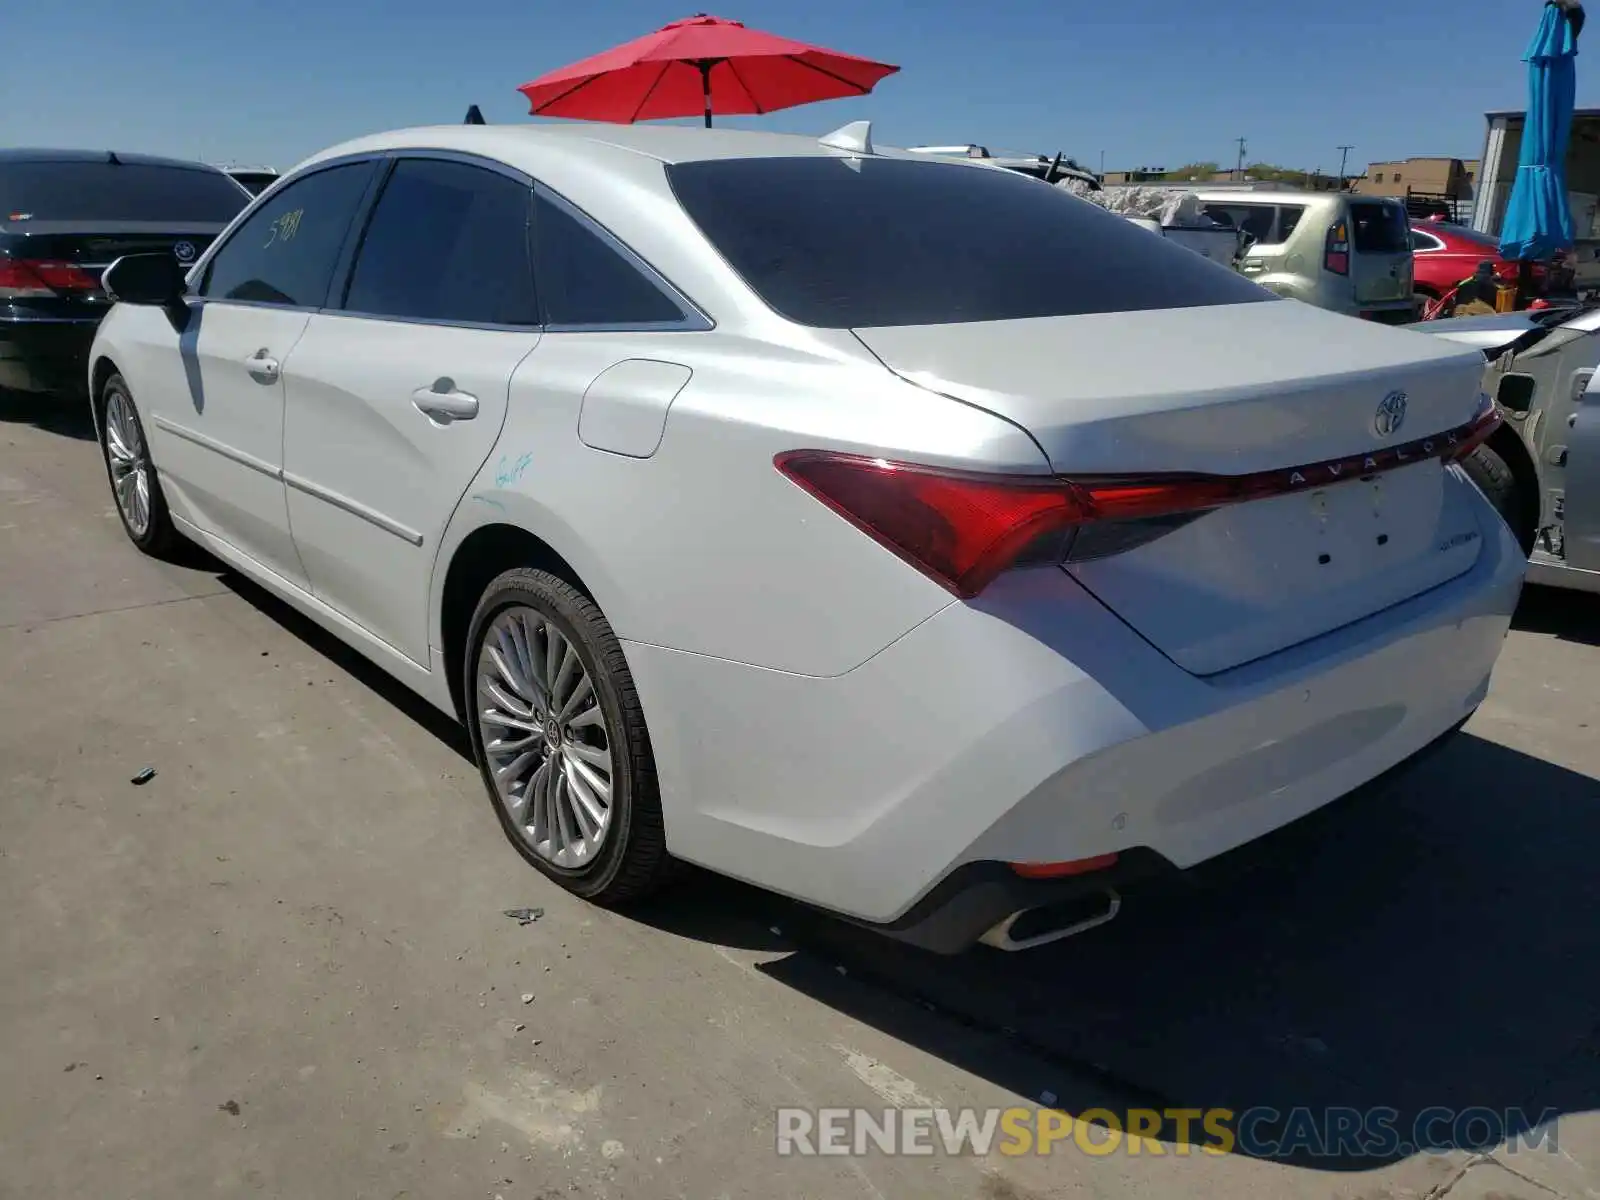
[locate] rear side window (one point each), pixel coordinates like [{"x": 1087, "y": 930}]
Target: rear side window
[
  {"x": 1258, "y": 220},
  {"x": 840, "y": 243},
  {"x": 1425, "y": 241},
  {"x": 1289, "y": 220},
  {"x": 586, "y": 280},
  {"x": 447, "y": 242},
  {"x": 105, "y": 191},
  {"x": 285, "y": 251},
  {"x": 1380, "y": 229}
]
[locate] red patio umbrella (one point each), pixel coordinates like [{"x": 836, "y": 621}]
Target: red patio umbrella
[{"x": 696, "y": 65}]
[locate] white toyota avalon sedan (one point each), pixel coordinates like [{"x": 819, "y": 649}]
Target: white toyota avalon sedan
[{"x": 904, "y": 536}]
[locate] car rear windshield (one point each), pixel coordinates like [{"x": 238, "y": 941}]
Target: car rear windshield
[
  {"x": 105, "y": 191},
  {"x": 843, "y": 243},
  {"x": 1380, "y": 229}
]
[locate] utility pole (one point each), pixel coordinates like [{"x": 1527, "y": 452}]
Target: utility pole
[
  {"x": 1344, "y": 154},
  {"x": 1239, "y": 170}
]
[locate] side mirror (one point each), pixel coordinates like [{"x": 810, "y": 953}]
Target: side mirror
[{"x": 154, "y": 279}]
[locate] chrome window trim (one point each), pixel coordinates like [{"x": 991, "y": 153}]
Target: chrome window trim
[{"x": 9, "y": 319}]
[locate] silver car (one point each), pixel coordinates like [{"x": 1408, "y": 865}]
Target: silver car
[{"x": 1348, "y": 254}]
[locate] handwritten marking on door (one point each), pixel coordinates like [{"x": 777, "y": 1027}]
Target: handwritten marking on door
[{"x": 506, "y": 474}]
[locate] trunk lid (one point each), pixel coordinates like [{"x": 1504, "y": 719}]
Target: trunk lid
[
  {"x": 1231, "y": 390},
  {"x": 1381, "y": 259}
]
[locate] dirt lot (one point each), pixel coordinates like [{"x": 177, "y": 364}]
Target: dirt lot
[{"x": 281, "y": 967}]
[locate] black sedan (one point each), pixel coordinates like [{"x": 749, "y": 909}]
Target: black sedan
[{"x": 66, "y": 215}]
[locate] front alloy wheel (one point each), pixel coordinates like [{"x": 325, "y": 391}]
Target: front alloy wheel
[
  {"x": 135, "y": 486},
  {"x": 129, "y": 464}
]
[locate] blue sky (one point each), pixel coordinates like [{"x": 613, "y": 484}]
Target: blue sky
[{"x": 1162, "y": 83}]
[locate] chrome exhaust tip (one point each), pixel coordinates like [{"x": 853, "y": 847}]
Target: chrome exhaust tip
[{"x": 1053, "y": 923}]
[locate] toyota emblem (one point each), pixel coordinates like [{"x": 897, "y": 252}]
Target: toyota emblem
[
  {"x": 1391, "y": 415},
  {"x": 184, "y": 251}
]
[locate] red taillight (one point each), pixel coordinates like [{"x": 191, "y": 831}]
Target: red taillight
[
  {"x": 1336, "y": 250},
  {"x": 42, "y": 277},
  {"x": 1062, "y": 870},
  {"x": 1476, "y": 432},
  {"x": 962, "y": 529}
]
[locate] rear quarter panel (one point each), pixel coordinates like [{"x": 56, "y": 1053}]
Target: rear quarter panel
[{"x": 703, "y": 546}]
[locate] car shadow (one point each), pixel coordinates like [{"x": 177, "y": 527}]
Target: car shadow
[
  {"x": 1560, "y": 613},
  {"x": 60, "y": 415},
  {"x": 363, "y": 670},
  {"x": 1427, "y": 951},
  {"x": 1424, "y": 954}
]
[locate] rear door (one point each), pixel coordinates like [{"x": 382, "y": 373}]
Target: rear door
[
  {"x": 1264, "y": 261},
  {"x": 1380, "y": 251},
  {"x": 397, "y": 394}
]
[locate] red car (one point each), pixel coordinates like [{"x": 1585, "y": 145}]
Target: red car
[{"x": 1445, "y": 254}]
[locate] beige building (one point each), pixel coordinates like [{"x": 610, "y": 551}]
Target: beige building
[{"x": 1452, "y": 177}]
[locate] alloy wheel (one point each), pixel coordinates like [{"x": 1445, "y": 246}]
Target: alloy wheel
[
  {"x": 545, "y": 738},
  {"x": 129, "y": 462}
]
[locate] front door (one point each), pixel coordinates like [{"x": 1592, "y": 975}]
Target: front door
[
  {"x": 396, "y": 396},
  {"x": 218, "y": 425}
]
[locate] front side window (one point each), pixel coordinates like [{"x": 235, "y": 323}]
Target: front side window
[
  {"x": 447, "y": 242},
  {"x": 585, "y": 280},
  {"x": 285, "y": 252}
]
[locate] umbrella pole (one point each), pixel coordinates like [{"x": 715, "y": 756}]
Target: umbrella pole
[{"x": 705, "y": 86}]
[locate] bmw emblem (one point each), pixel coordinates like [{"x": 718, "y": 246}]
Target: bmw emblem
[
  {"x": 1391, "y": 415},
  {"x": 184, "y": 251}
]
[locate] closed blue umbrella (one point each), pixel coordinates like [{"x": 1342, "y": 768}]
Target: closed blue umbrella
[{"x": 1539, "y": 218}]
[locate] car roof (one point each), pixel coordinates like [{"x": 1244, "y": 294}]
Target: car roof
[
  {"x": 28, "y": 154},
  {"x": 519, "y": 145},
  {"x": 614, "y": 174}
]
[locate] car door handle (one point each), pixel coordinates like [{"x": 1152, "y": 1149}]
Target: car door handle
[
  {"x": 263, "y": 366},
  {"x": 444, "y": 404}
]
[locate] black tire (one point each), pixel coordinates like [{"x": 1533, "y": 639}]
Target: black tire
[
  {"x": 159, "y": 537},
  {"x": 633, "y": 861},
  {"x": 1498, "y": 483}
]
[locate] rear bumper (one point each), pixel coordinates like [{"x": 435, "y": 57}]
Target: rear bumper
[
  {"x": 1034, "y": 726},
  {"x": 977, "y": 896},
  {"x": 43, "y": 355}
]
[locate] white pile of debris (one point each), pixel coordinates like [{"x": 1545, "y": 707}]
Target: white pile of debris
[{"x": 1168, "y": 207}]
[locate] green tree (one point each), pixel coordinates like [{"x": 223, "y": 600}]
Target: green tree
[{"x": 1194, "y": 170}]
